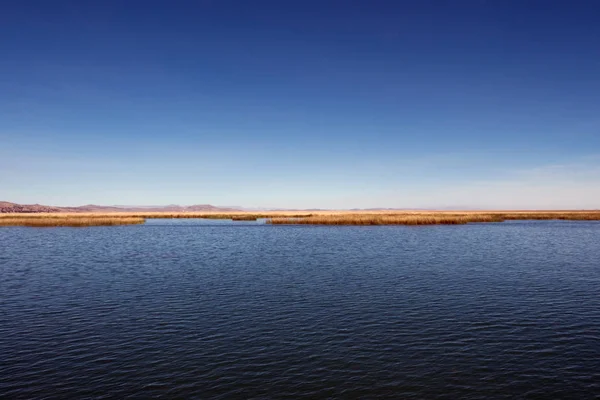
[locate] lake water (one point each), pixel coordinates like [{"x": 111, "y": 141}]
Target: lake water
[{"x": 211, "y": 309}]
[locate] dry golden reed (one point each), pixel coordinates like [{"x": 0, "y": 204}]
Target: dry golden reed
[
  {"x": 432, "y": 218},
  {"x": 234, "y": 215},
  {"x": 69, "y": 221},
  {"x": 387, "y": 217},
  {"x": 243, "y": 218},
  {"x": 379, "y": 219}
]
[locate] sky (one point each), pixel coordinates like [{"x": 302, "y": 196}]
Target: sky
[{"x": 301, "y": 104}]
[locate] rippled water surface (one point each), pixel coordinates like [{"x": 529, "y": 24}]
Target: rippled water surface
[{"x": 206, "y": 309}]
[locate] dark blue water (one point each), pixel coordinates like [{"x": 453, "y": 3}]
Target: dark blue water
[{"x": 189, "y": 309}]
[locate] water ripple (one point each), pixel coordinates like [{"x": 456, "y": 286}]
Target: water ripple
[{"x": 187, "y": 309}]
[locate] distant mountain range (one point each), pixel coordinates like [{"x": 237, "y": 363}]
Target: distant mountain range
[{"x": 7, "y": 207}]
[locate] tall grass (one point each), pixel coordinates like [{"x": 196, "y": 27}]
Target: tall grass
[
  {"x": 122, "y": 218},
  {"x": 550, "y": 215},
  {"x": 243, "y": 218},
  {"x": 237, "y": 216},
  {"x": 69, "y": 221},
  {"x": 292, "y": 217},
  {"x": 382, "y": 219},
  {"x": 431, "y": 218}
]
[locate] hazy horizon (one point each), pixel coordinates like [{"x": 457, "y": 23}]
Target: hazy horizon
[
  {"x": 276, "y": 208},
  {"x": 332, "y": 105}
]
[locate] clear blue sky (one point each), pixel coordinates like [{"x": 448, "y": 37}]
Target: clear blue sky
[{"x": 331, "y": 104}]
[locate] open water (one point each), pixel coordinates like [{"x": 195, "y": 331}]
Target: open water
[{"x": 210, "y": 309}]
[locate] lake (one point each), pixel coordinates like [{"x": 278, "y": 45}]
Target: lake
[{"x": 217, "y": 309}]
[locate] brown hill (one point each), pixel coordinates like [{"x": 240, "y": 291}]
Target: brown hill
[{"x": 7, "y": 207}]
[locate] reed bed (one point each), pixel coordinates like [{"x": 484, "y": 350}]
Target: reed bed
[
  {"x": 66, "y": 215},
  {"x": 556, "y": 215},
  {"x": 153, "y": 215},
  {"x": 432, "y": 218},
  {"x": 375, "y": 217},
  {"x": 234, "y": 216},
  {"x": 70, "y": 221},
  {"x": 379, "y": 219},
  {"x": 243, "y": 218}
]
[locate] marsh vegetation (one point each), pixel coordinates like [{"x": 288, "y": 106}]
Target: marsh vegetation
[
  {"x": 433, "y": 217},
  {"x": 295, "y": 218},
  {"x": 38, "y": 220}
]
